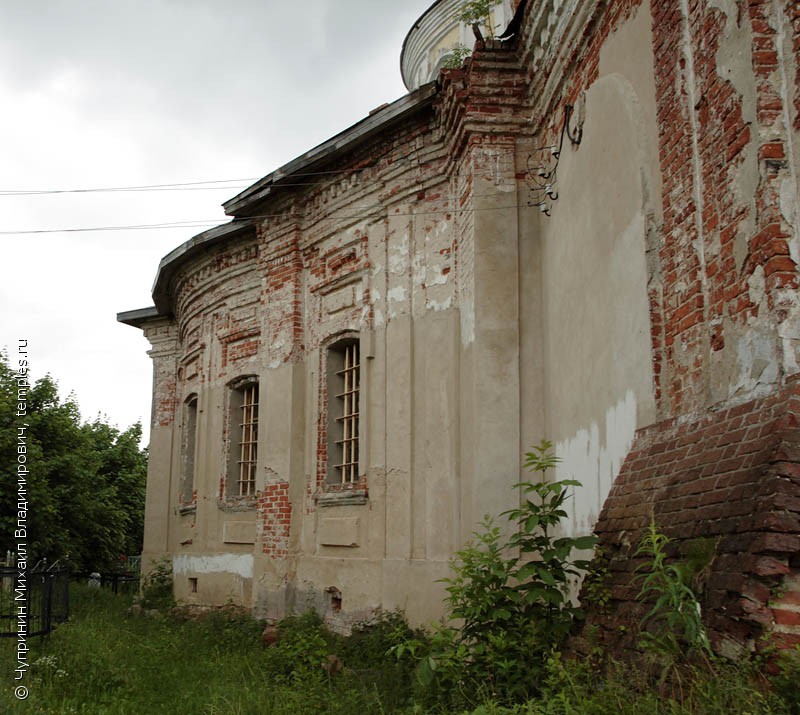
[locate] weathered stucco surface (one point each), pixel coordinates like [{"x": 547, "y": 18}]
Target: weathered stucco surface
[{"x": 659, "y": 293}]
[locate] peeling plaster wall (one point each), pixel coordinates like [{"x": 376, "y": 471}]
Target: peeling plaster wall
[
  {"x": 661, "y": 292},
  {"x": 269, "y": 303},
  {"x": 727, "y": 157},
  {"x": 597, "y": 370},
  {"x": 594, "y": 456}
]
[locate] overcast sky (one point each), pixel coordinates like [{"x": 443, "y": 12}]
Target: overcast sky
[{"x": 122, "y": 93}]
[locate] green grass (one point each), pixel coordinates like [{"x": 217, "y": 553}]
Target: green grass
[{"x": 106, "y": 662}]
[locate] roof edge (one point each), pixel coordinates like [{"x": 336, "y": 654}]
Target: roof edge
[
  {"x": 325, "y": 152},
  {"x": 197, "y": 244},
  {"x": 347, "y": 139},
  {"x": 137, "y": 318}
]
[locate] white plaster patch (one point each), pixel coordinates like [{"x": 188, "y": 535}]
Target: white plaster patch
[
  {"x": 398, "y": 256},
  {"x": 238, "y": 564},
  {"x": 789, "y": 333},
  {"x": 438, "y": 306},
  {"x": 789, "y": 204},
  {"x": 757, "y": 361},
  {"x": 441, "y": 228},
  {"x": 594, "y": 457},
  {"x": 396, "y": 294},
  {"x": 420, "y": 270},
  {"x": 438, "y": 279},
  {"x": 757, "y": 287}
]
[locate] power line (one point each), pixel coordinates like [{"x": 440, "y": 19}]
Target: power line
[
  {"x": 190, "y": 185},
  {"x": 196, "y": 185},
  {"x": 133, "y": 227},
  {"x": 366, "y": 212},
  {"x": 176, "y": 186}
]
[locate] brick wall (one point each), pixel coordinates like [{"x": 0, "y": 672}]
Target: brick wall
[
  {"x": 721, "y": 465},
  {"x": 725, "y": 482},
  {"x": 274, "y": 518},
  {"x": 725, "y": 254}
]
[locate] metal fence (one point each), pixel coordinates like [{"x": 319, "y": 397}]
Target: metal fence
[
  {"x": 125, "y": 579},
  {"x": 123, "y": 582},
  {"x": 38, "y": 601}
]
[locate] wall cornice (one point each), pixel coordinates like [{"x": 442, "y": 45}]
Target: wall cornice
[{"x": 547, "y": 47}]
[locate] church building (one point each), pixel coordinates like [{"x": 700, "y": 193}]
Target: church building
[{"x": 586, "y": 233}]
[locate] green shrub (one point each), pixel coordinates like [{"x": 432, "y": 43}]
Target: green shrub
[
  {"x": 302, "y": 646},
  {"x": 369, "y": 656},
  {"x": 104, "y": 663},
  {"x": 157, "y": 585},
  {"x": 508, "y": 600}
]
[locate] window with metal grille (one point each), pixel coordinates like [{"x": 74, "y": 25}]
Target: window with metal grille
[
  {"x": 188, "y": 449},
  {"x": 344, "y": 378},
  {"x": 244, "y": 440}
]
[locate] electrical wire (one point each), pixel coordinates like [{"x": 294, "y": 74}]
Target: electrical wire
[
  {"x": 367, "y": 212},
  {"x": 196, "y": 185}
]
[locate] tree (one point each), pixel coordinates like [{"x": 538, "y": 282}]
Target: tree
[
  {"x": 477, "y": 14},
  {"x": 86, "y": 481}
]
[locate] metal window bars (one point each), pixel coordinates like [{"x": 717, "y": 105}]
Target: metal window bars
[
  {"x": 248, "y": 444},
  {"x": 348, "y": 416}
]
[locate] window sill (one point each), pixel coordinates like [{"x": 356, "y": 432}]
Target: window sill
[
  {"x": 235, "y": 504},
  {"x": 345, "y": 497},
  {"x": 185, "y": 509}
]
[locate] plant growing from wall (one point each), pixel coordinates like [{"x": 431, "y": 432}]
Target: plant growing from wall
[
  {"x": 455, "y": 58},
  {"x": 508, "y": 600},
  {"x": 478, "y": 15},
  {"x": 672, "y": 630},
  {"x": 477, "y": 12}
]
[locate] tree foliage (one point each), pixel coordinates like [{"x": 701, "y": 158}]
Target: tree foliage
[
  {"x": 86, "y": 485},
  {"x": 476, "y": 12}
]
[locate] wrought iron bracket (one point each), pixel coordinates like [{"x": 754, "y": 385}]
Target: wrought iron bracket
[{"x": 542, "y": 166}]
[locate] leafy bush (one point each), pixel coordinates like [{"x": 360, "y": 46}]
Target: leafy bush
[
  {"x": 86, "y": 480},
  {"x": 367, "y": 655},
  {"x": 157, "y": 585},
  {"x": 102, "y": 663},
  {"x": 508, "y": 600},
  {"x": 302, "y": 645}
]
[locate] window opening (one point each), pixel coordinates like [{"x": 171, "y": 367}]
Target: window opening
[
  {"x": 188, "y": 450},
  {"x": 248, "y": 444},
  {"x": 343, "y": 404},
  {"x": 243, "y": 439}
]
